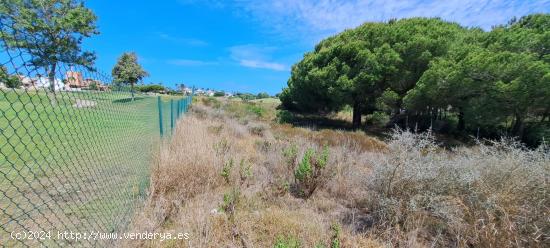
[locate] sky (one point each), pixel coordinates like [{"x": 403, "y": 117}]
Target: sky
[{"x": 250, "y": 45}]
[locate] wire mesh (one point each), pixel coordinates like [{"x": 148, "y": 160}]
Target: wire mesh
[{"x": 75, "y": 149}]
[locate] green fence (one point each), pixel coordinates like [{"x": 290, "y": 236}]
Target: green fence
[{"x": 75, "y": 154}]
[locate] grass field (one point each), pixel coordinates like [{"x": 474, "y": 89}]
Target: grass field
[{"x": 80, "y": 163}]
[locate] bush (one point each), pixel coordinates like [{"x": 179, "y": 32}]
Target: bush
[
  {"x": 287, "y": 242},
  {"x": 257, "y": 128},
  {"x": 93, "y": 86},
  {"x": 488, "y": 196},
  {"x": 150, "y": 88},
  {"x": 284, "y": 116},
  {"x": 255, "y": 109},
  {"x": 308, "y": 173},
  {"x": 211, "y": 102}
]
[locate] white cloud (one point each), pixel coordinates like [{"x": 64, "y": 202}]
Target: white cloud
[
  {"x": 263, "y": 64},
  {"x": 318, "y": 18},
  {"x": 190, "y": 62},
  {"x": 256, "y": 56}
]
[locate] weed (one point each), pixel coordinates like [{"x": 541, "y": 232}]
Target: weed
[
  {"x": 335, "y": 239},
  {"x": 259, "y": 111},
  {"x": 226, "y": 170},
  {"x": 287, "y": 242},
  {"x": 245, "y": 171},
  {"x": 291, "y": 154}
]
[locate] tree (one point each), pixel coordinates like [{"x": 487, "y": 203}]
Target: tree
[
  {"x": 262, "y": 95},
  {"x": 219, "y": 93},
  {"x": 128, "y": 71},
  {"x": 151, "y": 88},
  {"x": 50, "y": 31},
  {"x": 358, "y": 66},
  {"x": 10, "y": 81}
]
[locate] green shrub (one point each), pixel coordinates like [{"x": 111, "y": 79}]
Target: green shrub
[
  {"x": 226, "y": 170},
  {"x": 287, "y": 242},
  {"x": 284, "y": 116},
  {"x": 308, "y": 174},
  {"x": 255, "y": 109},
  {"x": 245, "y": 171},
  {"x": 290, "y": 154},
  {"x": 335, "y": 239}
]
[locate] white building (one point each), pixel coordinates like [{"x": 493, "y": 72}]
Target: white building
[
  {"x": 41, "y": 82},
  {"x": 187, "y": 90}
]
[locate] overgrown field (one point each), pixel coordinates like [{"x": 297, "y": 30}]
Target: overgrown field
[{"x": 232, "y": 178}]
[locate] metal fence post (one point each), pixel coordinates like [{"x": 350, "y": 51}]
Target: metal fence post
[
  {"x": 172, "y": 116},
  {"x": 178, "y": 109},
  {"x": 185, "y": 105},
  {"x": 160, "y": 116}
]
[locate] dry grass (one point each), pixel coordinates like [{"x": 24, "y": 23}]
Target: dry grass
[{"x": 228, "y": 180}]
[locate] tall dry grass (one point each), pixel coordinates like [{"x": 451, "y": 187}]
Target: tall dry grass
[{"x": 229, "y": 181}]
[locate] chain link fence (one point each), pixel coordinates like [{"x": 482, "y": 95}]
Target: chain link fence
[{"x": 75, "y": 149}]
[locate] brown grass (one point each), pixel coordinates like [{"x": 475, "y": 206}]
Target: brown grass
[{"x": 408, "y": 192}]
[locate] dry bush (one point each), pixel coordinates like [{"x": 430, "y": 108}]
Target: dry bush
[
  {"x": 355, "y": 140},
  {"x": 487, "y": 196},
  {"x": 229, "y": 185}
]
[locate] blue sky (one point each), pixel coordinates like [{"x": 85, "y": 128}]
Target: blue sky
[{"x": 246, "y": 45}]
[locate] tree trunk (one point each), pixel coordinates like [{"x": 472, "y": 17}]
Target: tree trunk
[
  {"x": 356, "y": 119},
  {"x": 132, "y": 90},
  {"x": 461, "y": 123},
  {"x": 51, "y": 79},
  {"x": 519, "y": 126}
]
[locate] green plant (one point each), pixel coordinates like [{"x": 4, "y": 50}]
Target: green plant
[
  {"x": 335, "y": 239},
  {"x": 221, "y": 147},
  {"x": 284, "y": 116},
  {"x": 245, "y": 171},
  {"x": 309, "y": 172},
  {"x": 290, "y": 154},
  {"x": 93, "y": 86},
  {"x": 226, "y": 170},
  {"x": 287, "y": 242},
  {"x": 230, "y": 201},
  {"x": 259, "y": 111}
]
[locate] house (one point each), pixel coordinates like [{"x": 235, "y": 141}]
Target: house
[
  {"x": 74, "y": 80},
  {"x": 88, "y": 82},
  {"x": 186, "y": 90},
  {"x": 41, "y": 82}
]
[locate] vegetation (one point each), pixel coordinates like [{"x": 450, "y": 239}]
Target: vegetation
[
  {"x": 219, "y": 93},
  {"x": 151, "y": 88},
  {"x": 60, "y": 26},
  {"x": 434, "y": 74},
  {"x": 262, "y": 95},
  {"x": 10, "y": 81},
  {"x": 128, "y": 71},
  {"x": 407, "y": 192}
]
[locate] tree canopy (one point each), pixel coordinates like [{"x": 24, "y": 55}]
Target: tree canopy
[
  {"x": 427, "y": 69},
  {"x": 127, "y": 70}
]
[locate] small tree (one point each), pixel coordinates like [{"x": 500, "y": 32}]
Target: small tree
[
  {"x": 219, "y": 93},
  {"x": 262, "y": 95},
  {"x": 128, "y": 71}
]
